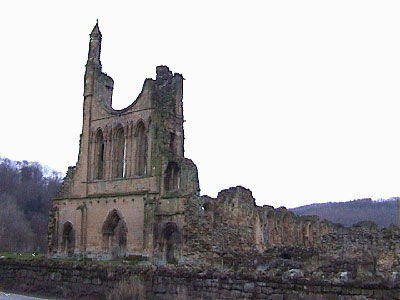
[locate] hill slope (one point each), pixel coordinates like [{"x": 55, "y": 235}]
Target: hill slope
[{"x": 348, "y": 213}]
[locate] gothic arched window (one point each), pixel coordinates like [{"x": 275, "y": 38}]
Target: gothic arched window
[
  {"x": 119, "y": 154},
  {"x": 99, "y": 156},
  {"x": 141, "y": 150},
  {"x": 172, "y": 179}
]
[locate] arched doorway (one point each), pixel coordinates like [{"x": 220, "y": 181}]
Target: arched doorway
[
  {"x": 68, "y": 239},
  {"x": 172, "y": 242},
  {"x": 115, "y": 234}
]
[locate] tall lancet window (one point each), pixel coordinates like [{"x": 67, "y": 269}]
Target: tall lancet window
[
  {"x": 99, "y": 156},
  {"x": 172, "y": 178},
  {"x": 119, "y": 154},
  {"x": 141, "y": 150}
]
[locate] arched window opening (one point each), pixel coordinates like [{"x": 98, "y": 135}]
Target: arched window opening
[
  {"x": 114, "y": 234},
  {"x": 68, "y": 239},
  {"x": 172, "y": 242},
  {"x": 119, "y": 149},
  {"x": 141, "y": 150},
  {"x": 99, "y": 156},
  {"x": 172, "y": 178}
]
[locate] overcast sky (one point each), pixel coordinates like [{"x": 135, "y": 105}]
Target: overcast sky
[{"x": 298, "y": 101}]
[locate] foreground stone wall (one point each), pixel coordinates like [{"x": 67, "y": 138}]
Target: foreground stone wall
[{"x": 74, "y": 280}]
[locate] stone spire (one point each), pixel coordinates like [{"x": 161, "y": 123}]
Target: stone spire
[{"x": 95, "y": 46}]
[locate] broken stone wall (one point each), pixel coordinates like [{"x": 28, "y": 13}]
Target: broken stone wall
[
  {"x": 232, "y": 228},
  {"x": 363, "y": 252},
  {"x": 71, "y": 280}
]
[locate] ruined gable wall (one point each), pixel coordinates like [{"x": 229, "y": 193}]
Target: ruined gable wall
[
  {"x": 159, "y": 109},
  {"x": 102, "y": 117},
  {"x": 126, "y": 195}
]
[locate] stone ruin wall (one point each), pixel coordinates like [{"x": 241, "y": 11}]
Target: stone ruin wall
[
  {"x": 364, "y": 251},
  {"x": 232, "y": 233},
  {"x": 222, "y": 230}
]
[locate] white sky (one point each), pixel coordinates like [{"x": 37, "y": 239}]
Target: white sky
[{"x": 297, "y": 100}]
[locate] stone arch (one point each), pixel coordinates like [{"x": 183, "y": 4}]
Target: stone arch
[
  {"x": 119, "y": 152},
  {"x": 171, "y": 242},
  {"x": 115, "y": 234},
  {"x": 99, "y": 152},
  {"x": 172, "y": 176},
  {"x": 68, "y": 239},
  {"x": 141, "y": 149}
]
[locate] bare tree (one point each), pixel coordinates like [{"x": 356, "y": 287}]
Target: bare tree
[
  {"x": 26, "y": 191},
  {"x": 15, "y": 231}
]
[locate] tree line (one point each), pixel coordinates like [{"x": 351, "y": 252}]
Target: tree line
[{"x": 26, "y": 191}]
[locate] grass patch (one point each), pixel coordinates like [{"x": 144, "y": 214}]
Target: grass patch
[
  {"x": 128, "y": 260},
  {"x": 22, "y": 255},
  {"x": 131, "y": 260}
]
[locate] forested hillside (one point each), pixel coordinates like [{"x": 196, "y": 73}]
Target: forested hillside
[
  {"x": 383, "y": 212},
  {"x": 26, "y": 190}
]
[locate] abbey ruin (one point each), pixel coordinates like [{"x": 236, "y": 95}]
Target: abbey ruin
[{"x": 133, "y": 194}]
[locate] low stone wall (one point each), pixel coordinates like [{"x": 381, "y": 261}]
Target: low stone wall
[{"x": 76, "y": 280}]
